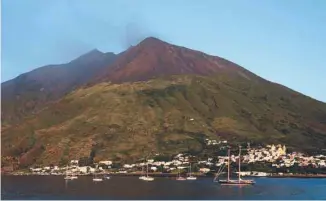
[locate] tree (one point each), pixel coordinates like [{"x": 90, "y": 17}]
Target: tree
[
  {"x": 164, "y": 158},
  {"x": 194, "y": 168},
  {"x": 116, "y": 165},
  {"x": 85, "y": 161},
  {"x": 160, "y": 168}
]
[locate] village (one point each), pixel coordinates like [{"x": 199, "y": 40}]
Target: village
[{"x": 275, "y": 156}]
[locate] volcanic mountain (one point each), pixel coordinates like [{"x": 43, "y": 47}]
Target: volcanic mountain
[
  {"x": 156, "y": 97},
  {"x": 31, "y": 91}
]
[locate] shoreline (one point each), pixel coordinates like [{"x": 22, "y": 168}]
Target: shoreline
[
  {"x": 172, "y": 175},
  {"x": 298, "y": 176}
]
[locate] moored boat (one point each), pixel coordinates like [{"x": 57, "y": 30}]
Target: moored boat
[
  {"x": 239, "y": 181},
  {"x": 95, "y": 177},
  {"x": 106, "y": 177},
  {"x": 180, "y": 178},
  {"x": 69, "y": 176},
  {"x": 190, "y": 177},
  {"x": 147, "y": 178}
]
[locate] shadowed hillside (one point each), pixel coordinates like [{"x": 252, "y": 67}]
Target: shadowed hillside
[{"x": 31, "y": 91}]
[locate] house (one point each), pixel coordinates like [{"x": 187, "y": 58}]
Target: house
[
  {"x": 74, "y": 162},
  {"x": 204, "y": 170},
  {"x": 105, "y": 162},
  {"x": 83, "y": 169},
  {"x": 127, "y": 166}
]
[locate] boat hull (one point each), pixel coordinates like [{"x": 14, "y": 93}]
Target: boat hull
[
  {"x": 236, "y": 182},
  {"x": 96, "y": 180},
  {"x": 191, "y": 178},
  {"x": 142, "y": 177},
  {"x": 70, "y": 178},
  {"x": 148, "y": 179},
  {"x": 181, "y": 179}
]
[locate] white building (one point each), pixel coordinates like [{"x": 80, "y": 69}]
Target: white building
[{"x": 106, "y": 162}]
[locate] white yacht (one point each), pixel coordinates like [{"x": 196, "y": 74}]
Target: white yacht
[
  {"x": 148, "y": 178},
  {"x": 190, "y": 177},
  {"x": 95, "y": 177},
  {"x": 69, "y": 175}
]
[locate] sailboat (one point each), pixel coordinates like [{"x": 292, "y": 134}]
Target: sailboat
[
  {"x": 69, "y": 176},
  {"x": 148, "y": 178},
  {"x": 106, "y": 176},
  {"x": 240, "y": 181},
  {"x": 190, "y": 177},
  {"x": 142, "y": 173},
  {"x": 179, "y": 178},
  {"x": 95, "y": 178}
]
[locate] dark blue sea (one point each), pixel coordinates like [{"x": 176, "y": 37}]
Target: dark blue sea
[{"x": 55, "y": 187}]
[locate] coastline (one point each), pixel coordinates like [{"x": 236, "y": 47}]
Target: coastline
[
  {"x": 170, "y": 175},
  {"x": 298, "y": 176}
]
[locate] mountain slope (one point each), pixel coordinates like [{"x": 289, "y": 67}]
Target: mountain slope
[
  {"x": 31, "y": 91},
  {"x": 126, "y": 121},
  {"x": 144, "y": 101}
]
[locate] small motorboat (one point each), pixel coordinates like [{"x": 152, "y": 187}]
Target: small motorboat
[
  {"x": 148, "y": 178},
  {"x": 68, "y": 177},
  {"x": 97, "y": 179},
  {"x": 191, "y": 178},
  {"x": 142, "y": 177},
  {"x": 181, "y": 179}
]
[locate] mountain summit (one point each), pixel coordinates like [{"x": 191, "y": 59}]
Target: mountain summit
[
  {"x": 90, "y": 56},
  {"x": 155, "y": 58}
]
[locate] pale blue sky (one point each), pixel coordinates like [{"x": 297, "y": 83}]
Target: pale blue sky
[{"x": 281, "y": 40}]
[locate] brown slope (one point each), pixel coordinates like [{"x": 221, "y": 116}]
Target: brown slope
[
  {"x": 30, "y": 92},
  {"x": 153, "y": 58}
]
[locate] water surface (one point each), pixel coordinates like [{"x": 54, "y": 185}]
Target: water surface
[{"x": 55, "y": 187}]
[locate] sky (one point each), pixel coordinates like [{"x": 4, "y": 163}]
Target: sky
[{"x": 281, "y": 41}]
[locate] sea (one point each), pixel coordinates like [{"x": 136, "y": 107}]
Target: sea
[{"x": 121, "y": 188}]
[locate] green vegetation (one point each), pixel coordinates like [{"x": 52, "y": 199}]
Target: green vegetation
[{"x": 167, "y": 116}]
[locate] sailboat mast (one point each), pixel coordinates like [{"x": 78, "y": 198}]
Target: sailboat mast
[
  {"x": 142, "y": 170},
  {"x": 190, "y": 169},
  {"x": 239, "y": 162},
  {"x": 229, "y": 164},
  {"x": 147, "y": 169}
]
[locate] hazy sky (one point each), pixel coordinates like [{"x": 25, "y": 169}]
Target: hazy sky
[{"x": 281, "y": 40}]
